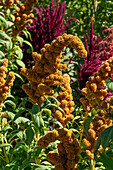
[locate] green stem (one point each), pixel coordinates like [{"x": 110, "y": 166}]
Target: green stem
[{"x": 6, "y": 157}]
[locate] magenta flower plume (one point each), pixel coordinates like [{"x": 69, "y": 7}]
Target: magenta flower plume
[{"x": 47, "y": 26}]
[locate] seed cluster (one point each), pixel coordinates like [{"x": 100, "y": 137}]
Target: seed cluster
[
  {"x": 99, "y": 124},
  {"x": 67, "y": 157},
  {"x": 8, "y": 3},
  {"x": 5, "y": 85},
  {"x": 45, "y": 74},
  {"x": 23, "y": 16},
  {"x": 66, "y": 102},
  {"x": 93, "y": 91}
]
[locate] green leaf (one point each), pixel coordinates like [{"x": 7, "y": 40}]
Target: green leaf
[
  {"x": 29, "y": 44},
  {"x": 2, "y": 54},
  {"x": 87, "y": 123},
  {"x": 57, "y": 107},
  {"x": 107, "y": 161},
  {"x": 3, "y": 20},
  {"x": 29, "y": 135},
  {"x": 4, "y": 35},
  {"x": 19, "y": 54},
  {"x": 11, "y": 103},
  {"x": 106, "y": 137},
  {"x": 109, "y": 152},
  {"x": 20, "y": 63},
  {"x": 5, "y": 145},
  {"x": 35, "y": 109},
  {"x": 21, "y": 120},
  {"x": 11, "y": 115},
  {"x": 109, "y": 85},
  {"x": 11, "y": 167},
  {"x": 20, "y": 39},
  {"x": 17, "y": 75},
  {"x": 9, "y": 45},
  {"x": 53, "y": 98},
  {"x": 21, "y": 110},
  {"x": 42, "y": 167},
  {"x": 37, "y": 122},
  {"x": 47, "y": 112}
]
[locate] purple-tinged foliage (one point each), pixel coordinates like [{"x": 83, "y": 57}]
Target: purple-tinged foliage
[
  {"x": 47, "y": 26},
  {"x": 106, "y": 45},
  {"x": 98, "y": 50},
  {"x": 91, "y": 63}
]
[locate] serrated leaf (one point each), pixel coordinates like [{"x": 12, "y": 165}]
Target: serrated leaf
[{"x": 20, "y": 63}]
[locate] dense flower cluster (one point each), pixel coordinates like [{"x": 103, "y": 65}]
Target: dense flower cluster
[
  {"x": 92, "y": 91},
  {"x": 65, "y": 102},
  {"x": 47, "y": 25},
  {"x": 46, "y": 72},
  {"x": 5, "y": 84},
  {"x": 8, "y": 3},
  {"x": 67, "y": 157},
  {"x": 98, "y": 124},
  {"x": 23, "y": 15}
]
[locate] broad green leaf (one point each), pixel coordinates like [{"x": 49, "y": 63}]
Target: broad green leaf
[
  {"x": 20, "y": 63},
  {"x": 3, "y": 20},
  {"x": 109, "y": 152},
  {"x": 29, "y": 135},
  {"x": 106, "y": 137},
  {"x": 4, "y": 35},
  {"x": 35, "y": 108},
  {"x": 107, "y": 161},
  {"x": 9, "y": 45}
]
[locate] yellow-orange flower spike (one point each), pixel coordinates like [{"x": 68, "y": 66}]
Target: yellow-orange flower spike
[
  {"x": 23, "y": 15},
  {"x": 68, "y": 148},
  {"x": 5, "y": 85},
  {"x": 92, "y": 91},
  {"x": 99, "y": 124}
]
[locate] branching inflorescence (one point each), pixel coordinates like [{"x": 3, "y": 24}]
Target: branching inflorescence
[
  {"x": 43, "y": 77},
  {"x": 68, "y": 149},
  {"x": 93, "y": 91},
  {"x": 5, "y": 84},
  {"x": 23, "y": 15},
  {"x": 46, "y": 74}
]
